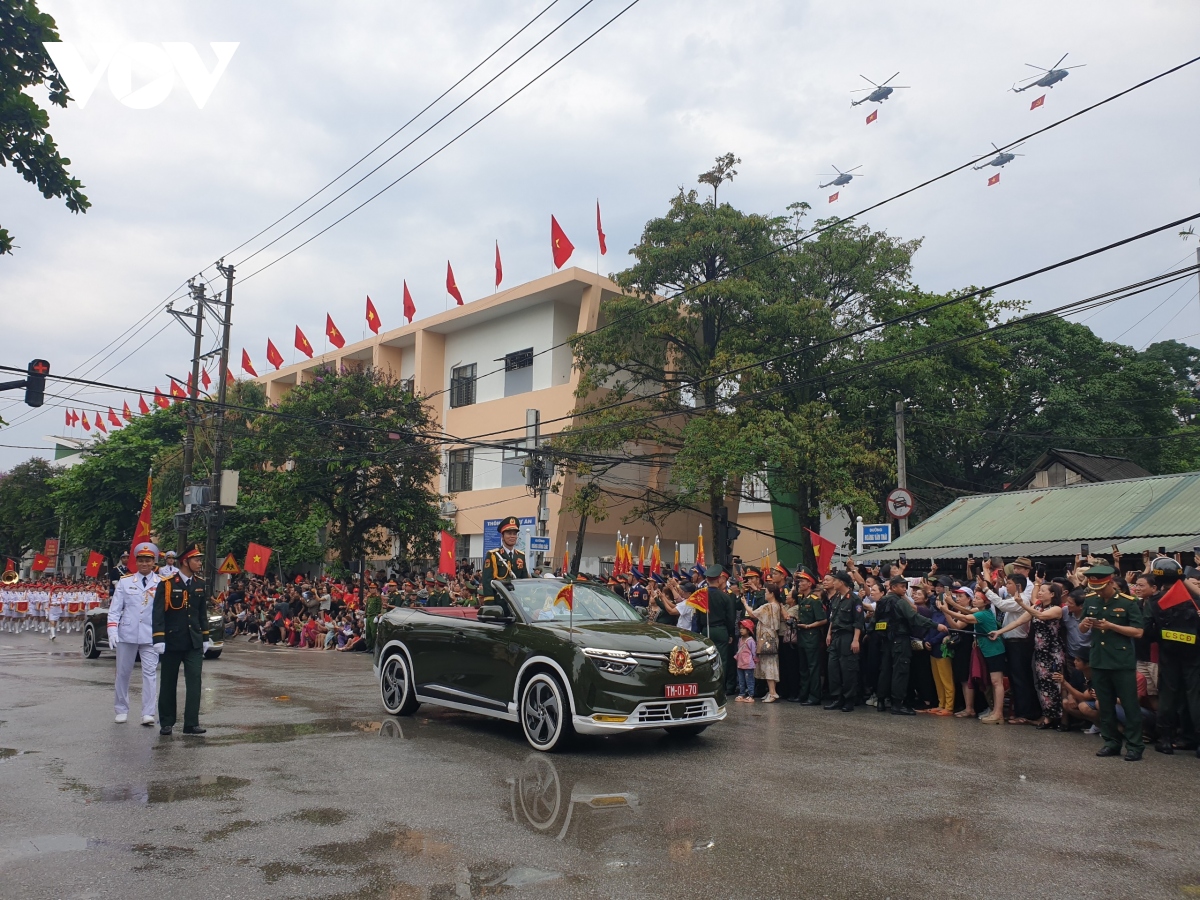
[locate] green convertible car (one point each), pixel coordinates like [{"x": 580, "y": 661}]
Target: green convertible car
[{"x": 596, "y": 667}]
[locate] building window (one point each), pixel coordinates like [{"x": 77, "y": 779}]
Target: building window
[
  {"x": 512, "y": 469},
  {"x": 462, "y": 546},
  {"x": 518, "y": 372},
  {"x": 459, "y": 471},
  {"x": 462, "y": 386},
  {"x": 407, "y": 386}
]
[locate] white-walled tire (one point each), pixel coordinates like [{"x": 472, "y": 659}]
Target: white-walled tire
[
  {"x": 545, "y": 713},
  {"x": 90, "y": 648},
  {"x": 396, "y": 687}
]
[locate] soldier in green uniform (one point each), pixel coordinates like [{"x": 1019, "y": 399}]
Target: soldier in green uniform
[
  {"x": 1118, "y": 619},
  {"x": 755, "y": 595},
  {"x": 811, "y": 619},
  {"x": 720, "y": 622},
  {"x": 895, "y": 618},
  {"x": 1177, "y": 630},
  {"x": 846, "y": 626},
  {"x": 440, "y": 595},
  {"x": 181, "y": 638},
  {"x": 506, "y": 562}
]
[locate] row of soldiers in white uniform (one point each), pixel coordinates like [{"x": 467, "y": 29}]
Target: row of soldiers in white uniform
[{"x": 48, "y": 606}]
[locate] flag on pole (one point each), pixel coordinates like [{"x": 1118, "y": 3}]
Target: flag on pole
[
  {"x": 331, "y": 332},
  {"x": 67, "y": 416},
  {"x": 1040, "y": 101},
  {"x": 229, "y": 379},
  {"x": 112, "y": 418},
  {"x": 700, "y": 549},
  {"x": 247, "y": 366},
  {"x": 833, "y": 197},
  {"x": 189, "y": 384},
  {"x": 127, "y": 412},
  {"x": 566, "y": 566},
  {"x": 86, "y": 425},
  {"x": 274, "y": 357},
  {"x": 499, "y": 267},
  {"x": 560, "y": 244},
  {"x": 40, "y": 562},
  {"x": 301, "y": 343},
  {"x": 99, "y": 423},
  {"x": 142, "y": 530},
  {"x": 642, "y": 557},
  {"x": 177, "y": 390},
  {"x": 372, "y": 316},
  {"x": 95, "y": 561},
  {"x": 159, "y": 399},
  {"x": 617, "y": 556},
  {"x": 823, "y": 550},
  {"x": 143, "y": 406},
  {"x": 205, "y": 381},
  {"x": 995, "y": 179},
  {"x": 566, "y": 596},
  {"x": 873, "y": 116},
  {"x": 257, "y": 557},
  {"x": 1176, "y": 594},
  {"x": 446, "y": 557},
  {"x": 655, "y": 558},
  {"x": 410, "y": 308},
  {"x": 699, "y": 600},
  {"x": 600, "y": 231},
  {"x": 452, "y": 285},
  {"x": 675, "y": 568}
]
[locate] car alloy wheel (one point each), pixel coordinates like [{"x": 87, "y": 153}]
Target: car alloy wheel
[
  {"x": 545, "y": 713},
  {"x": 395, "y": 686},
  {"x": 90, "y": 650}
]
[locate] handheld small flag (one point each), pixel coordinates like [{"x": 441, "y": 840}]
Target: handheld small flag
[
  {"x": 823, "y": 550},
  {"x": 257, "y": 558},
  {"x": 566, "y": 597},
  {"x": 1176, "y": 594}
]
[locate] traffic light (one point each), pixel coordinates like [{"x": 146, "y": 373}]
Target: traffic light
[
  {"x": 35, "y": 382},
  {"x": 726, "y": 534}
]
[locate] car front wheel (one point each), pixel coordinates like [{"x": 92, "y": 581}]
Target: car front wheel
[
  {"x": 90, "y": 648},
  {"x": 396, "y": 688},
  {"x": 546, "y": 713}
]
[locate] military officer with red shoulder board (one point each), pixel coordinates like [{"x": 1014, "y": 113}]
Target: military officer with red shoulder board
[{"x": 181, "y": 637}]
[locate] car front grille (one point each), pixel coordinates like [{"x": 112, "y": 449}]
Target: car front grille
[
  {"x": 680, "y": 711},
  {"x": 700, "y": 657}
]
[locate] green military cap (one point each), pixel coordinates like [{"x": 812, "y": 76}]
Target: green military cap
[
  {"x": 714, "y": 571},
  {"x": 1098, "y": 575},
  {"x": 805, "y": 572},
  {"x": 442, "y": 579},
  {"x": 753, "y": 571},
  {"x": 512, "y": 523}
]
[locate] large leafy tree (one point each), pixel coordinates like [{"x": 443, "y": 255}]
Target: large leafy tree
[
  {"x": 25, "y": 142},
  {"x": 27, "y": 515},
  {"x": 355, "y": 450}
]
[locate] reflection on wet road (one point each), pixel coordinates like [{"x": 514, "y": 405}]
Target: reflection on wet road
[{"x": 302, "y": 788}]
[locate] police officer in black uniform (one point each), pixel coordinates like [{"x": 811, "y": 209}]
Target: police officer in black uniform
[
  {"x": 1176, "y": 629},
  {"x": 505, "y": 563},
  {"x": 846, "y": 625},
  {"x": 181, "y": 637},
  {"x": 895, "y": 619}
]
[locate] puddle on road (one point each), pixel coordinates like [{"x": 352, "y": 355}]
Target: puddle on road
[
  {"x": 219, "y": 834},
  {"x": 323, "y": 816},
  {"x": 202, "y": 787},
  {"x": 290, "y": 731}
]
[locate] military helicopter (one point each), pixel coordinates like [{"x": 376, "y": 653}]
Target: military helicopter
[
  {"x": 881, "y": 92},
  {"x": 1052, "y": 76},
  {"x": 1002, "y": 157},
  {"x": 841, "y": 177}
]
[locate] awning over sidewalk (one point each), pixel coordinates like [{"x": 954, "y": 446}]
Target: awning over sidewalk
[{"x": 1136, "y": 514}]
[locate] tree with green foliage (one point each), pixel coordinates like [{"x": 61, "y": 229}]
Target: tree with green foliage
[
  {"x": 27, "y": 515},
  {"x": 24, "y": 139}
]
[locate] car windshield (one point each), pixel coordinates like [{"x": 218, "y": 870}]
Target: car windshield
[{"x": 591, "y": 603}]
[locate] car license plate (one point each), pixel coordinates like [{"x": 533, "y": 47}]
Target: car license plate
[{"x": 682, "y": 690}]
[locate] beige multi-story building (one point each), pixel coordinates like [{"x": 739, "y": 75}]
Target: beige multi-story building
[{"x": 484, "y": 365}]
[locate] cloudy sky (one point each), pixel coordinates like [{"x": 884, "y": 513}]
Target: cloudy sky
[{"x": 639, "y": 110}]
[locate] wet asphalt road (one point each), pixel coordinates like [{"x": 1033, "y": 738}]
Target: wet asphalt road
[{"x": 303, "y": 788}]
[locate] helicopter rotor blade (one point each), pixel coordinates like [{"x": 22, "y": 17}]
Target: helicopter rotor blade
[
  {"x": 869, "y": 81},
  {"x": 885, "y": 83},
  {"x": 1059, "y": 63},
  {"x": 1032, "y": 66},
  {"x": 848, "y": 171},
  {"x": 1080, "y": 66}
]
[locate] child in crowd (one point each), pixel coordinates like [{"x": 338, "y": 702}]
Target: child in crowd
[{"x": 746, "y": 659}]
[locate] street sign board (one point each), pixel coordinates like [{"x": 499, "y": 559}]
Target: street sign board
[
  {"x": 539, "y": 544},
  {"x": 876, "y": 534},
  {"x": 900, "y": 503}
]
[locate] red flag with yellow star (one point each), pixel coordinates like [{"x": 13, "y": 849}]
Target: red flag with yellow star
[
  {"x": 95, "y": 561},
  {"x": 127, "y": 412},
  {"x": 274, "y": 357},
  {"x": 142, "y": 531},
  {"x": 560, "y": 244},
  {"x": 302, "y": 343},
  {"x": 257, "y": 557},
  {"x": 452, "y": 285},
  {"x": 331, "y": 332},
  {"x": 372, "y": 316}
]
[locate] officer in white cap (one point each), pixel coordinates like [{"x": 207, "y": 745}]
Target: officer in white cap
[
  {"x": 130, "y": 631},
  {"x": 168, "y": 569}
]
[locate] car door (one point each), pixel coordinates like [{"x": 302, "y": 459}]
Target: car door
[
  {"x": 428, "y": 639},
  {"x": 487, "y": 657}
]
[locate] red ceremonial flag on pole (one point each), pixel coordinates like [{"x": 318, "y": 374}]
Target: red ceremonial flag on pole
[
  {"x": 86, "y": 426},
  {"x": 160, "y": 399},
  {"x": 560, "y": 244},
  {"x": 257, "y": 557},
  {"x": 566, "y": 564},
  {"x": 302, "y": 344},
  {"x": 95, "y": 561},
  {"x": 446, "y": 556},
  {"x": 112, "y": 418},
  {"x": 142, "y": 531},
  {"x": 189, "y": 384},
  {"x": 40, "y": 562},
  {"x": 451, "y": 286},
  {"x": 833, "y": 197},
  {"x": 229, "y": 379},
  {"x": 995, "y": 179},
  {"x": 566, "y": 596},
  {"x": 247, "y": 366},
  {"x": 823, "y": 550},
  {"x": 600, "y": 231},
  {"x": 700, "y": 549},
  {"x": 699, "y": 600},
  {"x": 655, "y": 559},
  {"x": 67, "y": 415},
  {"x": 274, "y": 357},
  {"x": 205, "y": 381},
  {"x": 1040, "y": 101},
  {"x": 126, "y": 412},
  {"x": 331, "y": 332},
  {"x": 1176, "y": 594},
  {"x": 499, "y": 267},
  {"x": 410, "y": 308},
  {"x": 177, "y": 390},
  {"x": 372, "y": 316},
  {"x": 143, "y": 406},
  {"x": 99, "y": 423}
]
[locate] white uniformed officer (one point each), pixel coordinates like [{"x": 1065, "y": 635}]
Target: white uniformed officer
[
  {"x": 168, "y": 569},
  {"x": 130, "y": 632}
]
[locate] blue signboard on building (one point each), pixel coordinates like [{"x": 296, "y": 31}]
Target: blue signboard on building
[
  {"x": 876, "y": 534},
  {"x": 539, "y": 544}
]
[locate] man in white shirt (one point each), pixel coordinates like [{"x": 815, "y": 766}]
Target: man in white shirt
[
  {"x": 1018, "y": 645},
  {"x": 130, "y": 632}
]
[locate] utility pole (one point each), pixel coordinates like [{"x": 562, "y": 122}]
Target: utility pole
[
  {"x": 540, "y": 471},
  {"x": 901, "y": 465},
  {"x": 215, "y": 512},
  {"x": 189, "y": 439}
]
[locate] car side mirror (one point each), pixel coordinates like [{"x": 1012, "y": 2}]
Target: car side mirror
[{"x": 493, "y": 613}]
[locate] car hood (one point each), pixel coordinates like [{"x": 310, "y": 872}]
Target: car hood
[{"x": 634, "y": 637}]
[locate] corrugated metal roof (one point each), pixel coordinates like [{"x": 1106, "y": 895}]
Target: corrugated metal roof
[{"x": 1137, "y": 514}]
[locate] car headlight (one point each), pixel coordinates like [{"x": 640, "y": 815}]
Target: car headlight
[{"x": 614, "y": 662}]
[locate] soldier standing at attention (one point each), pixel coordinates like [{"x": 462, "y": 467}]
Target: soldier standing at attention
[
  {"x": 811, "y": 620},
  {"x": 129, "y": 632},
  {"x": 506, "y": 562},
  {"x": 1118, "y": 619},
  {"x": 181, "y": 638},
  {"x": 846, "y": 626}
]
